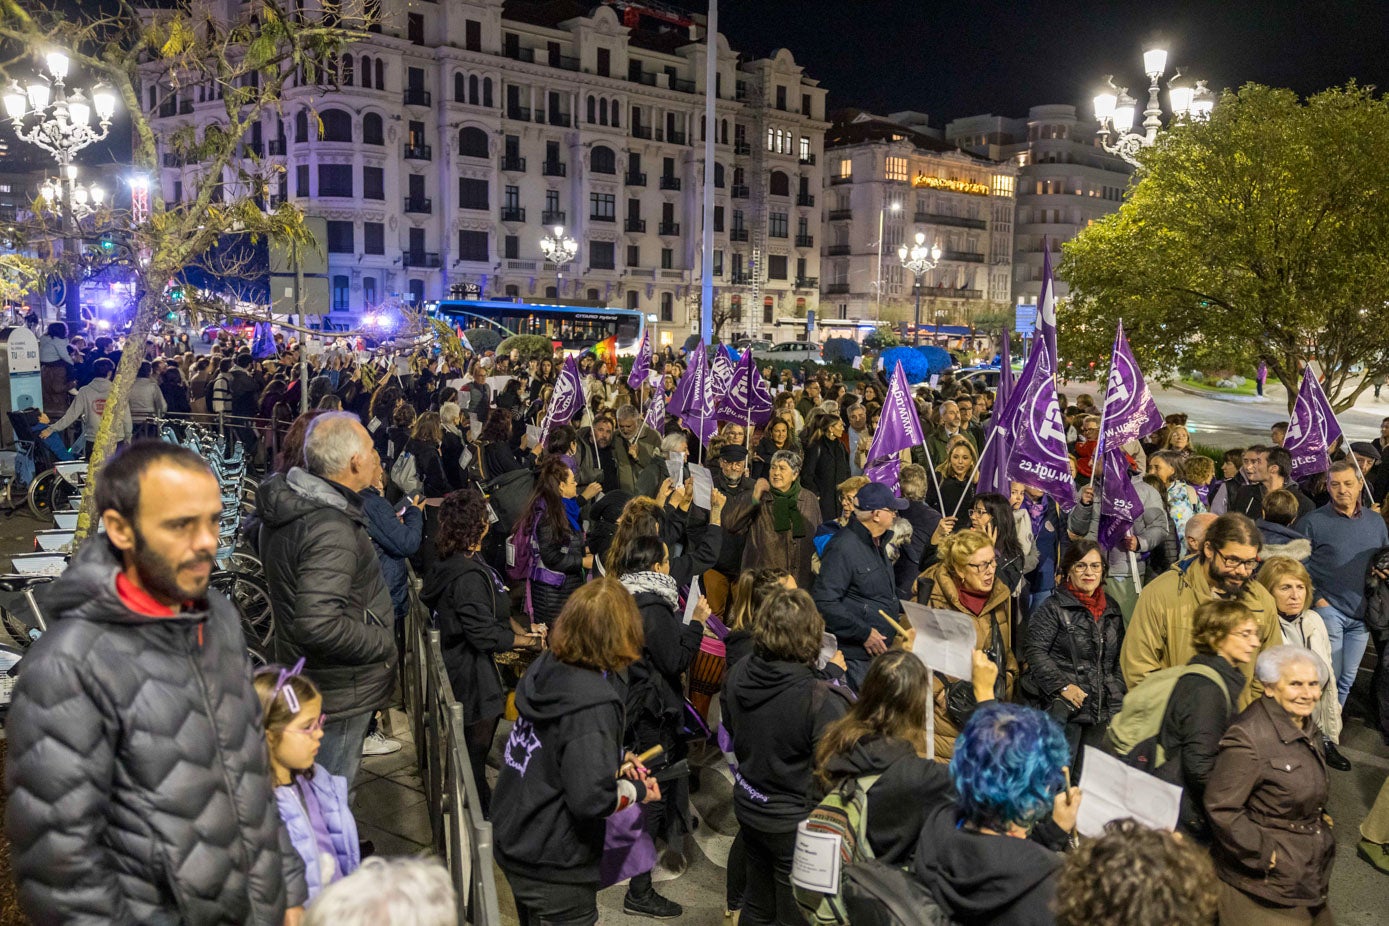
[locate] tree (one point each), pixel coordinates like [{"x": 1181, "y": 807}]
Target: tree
[
  {"x": 246, "y": 62},
  {"x": 1261, "y": 234}
]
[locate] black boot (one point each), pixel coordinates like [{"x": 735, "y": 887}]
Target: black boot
[
  {"x": 1333, "y": 756},
  {"x": 650, "y": 904}
]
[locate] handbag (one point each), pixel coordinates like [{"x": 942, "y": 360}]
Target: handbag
[{"x": 628, "y": 849}]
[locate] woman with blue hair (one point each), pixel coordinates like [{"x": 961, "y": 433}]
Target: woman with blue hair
[{"x": 976, "y": 857}]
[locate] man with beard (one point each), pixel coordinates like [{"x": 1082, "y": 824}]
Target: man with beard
[
  {"x": 598, "y": 452},
  {"x": 1159, "y": 636},
  {"x": 139, "y": 783},
  {"x": 858, "y": 437},
  {"x": 636, "y": 446}
]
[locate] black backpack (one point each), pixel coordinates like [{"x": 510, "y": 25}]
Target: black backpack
[{"x": 877, "y": 894}]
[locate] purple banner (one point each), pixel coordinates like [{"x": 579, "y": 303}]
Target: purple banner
[
  {"x": 1129, "y": 410},
  {"x": 993, "y": 465},
  {"x": 720, "y": 374},
  {"x": 1119, "y": 502},
  {"x": 656, "y": 413},
  {"x": 1312, "y": 429},
  {"x": 1046, "y": 307},
  {"x": 1039, "y": 456},
  {"x": 697, "y": 412},
  {"x": 899, "y": 427},
  {"x": 566, "y": 401},
  {"x": 680, "y": 398},
  {"x": 641, "y": 367},
  {"x": 748, "y": 398},
  {"x": 886, "y": 472}
]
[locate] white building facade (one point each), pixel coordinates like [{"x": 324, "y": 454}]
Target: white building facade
[{"x": 461, "y": 132}]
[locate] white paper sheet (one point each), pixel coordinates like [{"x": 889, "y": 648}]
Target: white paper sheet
[
  {"x": 460, "y": 384},
  {"x": 945, "y": 640},
  {"x": 497, "y": 384},
  {"x": 703, "y": 487},
  {"x": 475, "y": 424},
  {"x": 1113, "y": 790},
  {"x": 533, "y": 432},
  {"x": 692, "y": 600},
  {"x": 675, "y": 469},
  {"x": 815, "y": 866}
]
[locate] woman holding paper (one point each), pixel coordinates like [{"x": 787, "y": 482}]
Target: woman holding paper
[{"x": 1267, "y": 797}]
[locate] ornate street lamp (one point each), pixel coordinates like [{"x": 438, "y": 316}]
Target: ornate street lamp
[
  {"x": 1115, "y": 108},
  {"x": 917, "y": 260},
  {"x": 559, "y": 249},
  {"x": 45, "y": 114}
]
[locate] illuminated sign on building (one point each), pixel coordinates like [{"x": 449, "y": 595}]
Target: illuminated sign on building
[{"x": 952, "y": 185}]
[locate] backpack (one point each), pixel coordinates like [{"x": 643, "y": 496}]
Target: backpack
[
  {"x": 1133, "y": 732},
  {"x": 405, "y": 476},
  {"x": 877, "y": 894},
  {"x": 843, "y": 814}
]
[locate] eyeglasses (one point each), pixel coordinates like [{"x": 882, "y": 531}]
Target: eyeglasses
[
  {"x": 313, "y": 727},
  {"x": 1250, "y": 634},
  {"x": 1088, "y": 567},
  {"x": 1234, "y": 562},
  {"x": 984, "y": 568},
  {"x": 982, "y": 512}
]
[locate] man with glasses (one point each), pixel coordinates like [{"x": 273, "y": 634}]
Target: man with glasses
[{"x": 1159, "y": 636}]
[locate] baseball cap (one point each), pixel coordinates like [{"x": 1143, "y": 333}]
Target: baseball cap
[{"x": 875, "y": 497}]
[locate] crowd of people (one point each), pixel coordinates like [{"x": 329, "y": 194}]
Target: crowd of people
[{"x": 587, "y": 585}]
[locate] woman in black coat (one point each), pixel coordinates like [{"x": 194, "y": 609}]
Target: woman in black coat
[
  {"x": 424, "y": 442},
  {"x": 826, "y": 463},
  {"x": 473, "y": 613},
  {"x": 498, "y": 454},
  {"x": 1072, "y": 651},
  {"x": 550, "y": 549}
]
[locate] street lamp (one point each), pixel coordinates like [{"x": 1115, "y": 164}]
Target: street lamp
[
  {"x": 559, "y": 249},
  {"x": 894, "y": 207},
  {"x": 1115, "y": 108},
  {"x": 917, "y": 260},
  {"x": 82, "y": 199},
  {"x": 45, "y": 114}
]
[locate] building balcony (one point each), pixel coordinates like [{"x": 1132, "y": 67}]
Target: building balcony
[
  {"x": 564, "y": 62},
  {"x": 552, "y": 169},
  {"x": 805, "y": 199},
  {"x": 636, "y": 226},
  {"x": 513, "y": 214},
  {"x": 837, "y": 289},
  {"x": 610, "y": 219},
  {"x": 670, "y": 183},
  {"x": 742, "y": 148},
  {"x": 560, "y": 119},
  {"x": 839, "y": 250},
  {"x": 969, "y": 257},
  {"x": 419, "y": 153},
  {"x": 738, "y": 234},
  {"x": 645, "y": 78},
  {"x": 634, "y": 178},
  {"x": 740, "y": 279},
  {"x": 841, "y": 215},
  {"x": 513, "y": 163},
  {"x": 682, "y": 86},
  {"x": 672, "y": 274},
  {"x": 953, "y": 221},
  {"x": 947, "y": 293},
  {"x": 276, "y": 147},
  {"x": 185, "y": 107},
  {"x": 419, "y": 204},
  {"x": 418, "y": 96},
  {"x": 807, "y": 282},
  {"x": 676, "y": 138},
  {"x": 807, "y": 159},
  {"x": 739, "y": 191},
  {"x": 552, "y": 217},
  {"x": 835, "y": 181},
  {"x": 419, "y": 259},
  {"x": 517, "y": 53},
  {"x": 641, "y": 131},
  {"x": 520, "y": 113},
  {"x": 670, "y": 229},
  {"x": 805, "y": 241}
]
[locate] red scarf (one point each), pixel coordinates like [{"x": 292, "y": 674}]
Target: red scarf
[
  {"x": 1095, "y": 603},
  {"x": 973, "y": 601}
]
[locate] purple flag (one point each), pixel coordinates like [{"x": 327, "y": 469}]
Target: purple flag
[
  {"x": 263, "y": 342},
  {"x": 695, "y": 407},
  {"x": 720, "y": 374},
  {"x": 567, "y": 399},
  {"x": 1046, "y": 307},
  {"x": 1119, "y": 502},
  {"x": 1129, "y": 410},
  {"x": 993, "y": 464},
  {"x": 1312, "y": 429},
  {"x": 656, "y": 413},
  {"x": 1039, "y": 456},
  {"x": 641, "y": 367},
  {"x": 899, "y": 428},
  {"x": 748, "y": 398},
  {"x": 886, "y": 472},
  {"x": 680, "y": 398}
]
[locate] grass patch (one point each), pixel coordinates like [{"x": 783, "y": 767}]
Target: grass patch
[{"x": 1249, "y": 387}]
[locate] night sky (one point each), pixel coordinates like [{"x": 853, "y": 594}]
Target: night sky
[{"x": 967, "y": 57}]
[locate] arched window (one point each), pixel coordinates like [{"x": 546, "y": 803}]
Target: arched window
[
  {"x": 592, "y": 110},
  {"x": 472, "y": 142},
  {"x": 604, "y": 161},
  {"x": 366, "y": 71},
  {"x": 348, "y": 70},
  {"x": 603, "y": 111},
  {"x": 780, "y": 184},
  {"x": 301, "y": 126},
  {"x": 487, "y": 92},
  {"x": 380, "y": 74},
  {"x": 617, "y": 122},
  {"x": 718, "y": 175},
  {"x": 472, "y": 90},
  {"x": 460, "y": 86},
  {"x": 335, "y": 125},
  {"x": 373, "y": 130},
  {"x": 740, "y": 177}
]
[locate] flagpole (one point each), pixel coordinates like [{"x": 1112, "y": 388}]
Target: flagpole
[{"x": 977, "y": 460}]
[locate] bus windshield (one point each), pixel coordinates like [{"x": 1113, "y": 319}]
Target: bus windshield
[{"x": 574, "y": 327}]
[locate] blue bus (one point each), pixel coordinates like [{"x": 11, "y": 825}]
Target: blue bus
[{"x": 575, "y": 328}]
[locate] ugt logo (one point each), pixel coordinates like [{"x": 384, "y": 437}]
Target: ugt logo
[{"x": 1118, "y": 380}]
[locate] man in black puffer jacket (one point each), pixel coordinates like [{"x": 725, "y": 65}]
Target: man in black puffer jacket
[
  {"x": 331, "y": 603},
  {"x": 139, "y": 783}
]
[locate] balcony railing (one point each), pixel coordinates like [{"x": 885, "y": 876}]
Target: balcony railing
[
  {"x": 603, "y": 218},
  {"x": 955, "y": 293},
  {"x": 839, "y": 250},
  {"x": 670, "y": 228},
  {"x": 565, "y": 62},
  {"x": 739, "y": 191},
  {"x": 670, "y": 183},
  {"x": 641, "y": 131},
  {"x": 513, "y": 163},
  {"x": 738, "y": 234},
  {"x": 807, "y": 282},
  {"x": 805, "y": 241},
  {"x": 805, "y": 199},
  {"x": 418, "y": 96},
  {"x": 637, "y": 226},
  {"x": 954, "y": 221},
  {"x": 559, "y": 119},
  {"x": 552, "y": 169},
  {"x": 552, "y": 217},
  {"x": 969, "y": 257},
  {"x": 635, "y": 178},
  {"x": 682, "y": 86},
  {"x": 185, "y": 107},
  {"x": 277, "y": 147},
  {"x": 742, "y": 148},
  {"x": 420, "y": 204},
  {"x": 419, "y": 153},
  {"x": 523, "y": 113},
  {"x": 837, "y": 289},
  {"x": 517, "y": 53},
  {"x": 419, "y": 259},
  {"x": 839, "y": 178},
  {"x": 807, "y": 159},
  {"x": 741, "y": 279},
  {"x": 841, "y": 215},
  {"x": 513, "y": 214},
  {"x": 642, "y": 77},
  {"x": 672, "y": 274},
  {"x": 676, "y": 138}
]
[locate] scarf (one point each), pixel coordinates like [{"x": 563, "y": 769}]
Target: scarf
[
  {"x": 1095, "y": 603},
  {"x": 786, "y": 516},
  {"x": 655, "y": 583},
  {"x": 1036, "y": 511},
  {"x": 571, "y": 510}
]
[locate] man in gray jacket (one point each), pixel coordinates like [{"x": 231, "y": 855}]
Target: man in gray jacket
[
  {"x": 139, "y": 782},
  {"x": 1150, "y": 532},
  {"x": 90, "y": 405}
]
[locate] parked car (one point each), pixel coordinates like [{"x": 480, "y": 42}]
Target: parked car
[
  {"x": 795, "y": 352},
  {"x": 758, "y": 345},
  {"x": 237, "y": 329}
]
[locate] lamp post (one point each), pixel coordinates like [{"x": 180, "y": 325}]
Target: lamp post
[
  {"x": 1115, "y": 108},
  {"x": 559, "y": 249},
  {"x": 894, "y": 207},
  {"x": 917, "y": 260},
  {"x": 45, "y": 114}
]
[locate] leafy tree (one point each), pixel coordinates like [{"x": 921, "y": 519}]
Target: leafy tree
[
  {"x": 247, "y": 63},
  {"x": 1261, "y": 234},
  {"x": 531, "y": 346}
]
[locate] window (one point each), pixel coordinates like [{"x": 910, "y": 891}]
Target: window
[
  {"x": 178, "y": 191},
  {"x": 805, "y": 148},
  {"x": 380, "y": 74},
  {"x": 511, "y": 198},
  {"x": 633, "y": 300},
  {"x": 487, "y": 92},
  {"x": 633, "y": 255},
  {"x": 472, "y": 194},
  {"x": 341, "y": 285},
  {"x": 592, "y": 109},
  {"x": 472, "y": 143},
  {"x": 472, "y": 245},
  {"x": 805, "y": 104},
  {"x": 348, "y": 70},
  {"x": 845, "y": 170},
  {"x": 602, "y": 206},
  {"x": 416, "y": 292},
  {"x": 301, "y": 126},
  {"x": 896, "y": 169},
  {"x": 373, "y": 132},
  {"x": 718, "y": 218},
  {"x": 601, "y": 255},
  {"x": 802, "y": 227},
  {"x": 460, "y": 88},
  {"x": 301, "y": 180},
  {"x": 776, "y": 267},
  {"x": 335, "y": 180},
  {"x": 511, "y": 247},
  {"x": 667, "y": 258},
  {"x": 605, "y": 62},
  {"x": 340, "y": 238},
  {"x": 369, "y": 291},
  {"x": 373, "y": 183},
  {"x": 414, "y": 27},
  {"x": 604, "y": 161},
  {"x": 472, "y": 35},
  {"x": 414, "y": 137},
  {"x": 776, "y": 224},
  {"x": 780, "y": 184},
  {"x": 718, "y": 263},
  {"x": 366, "y": 72},
  {"x": 781, "y": 98},
  {"x": 767, "y": 310},
  {"x": 718, "y": 176},
  {"x": 667, "y": 307},
  {"x": 334, "y": 125},
  {"x": 373, "y": 238}
]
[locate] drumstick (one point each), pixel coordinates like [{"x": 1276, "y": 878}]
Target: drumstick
[
  {"x": 641, "y": 760},
  {"x": 895, "y": 626}
]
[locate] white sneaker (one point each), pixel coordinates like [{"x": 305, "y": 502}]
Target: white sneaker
[{"x": 378, "y": 744}]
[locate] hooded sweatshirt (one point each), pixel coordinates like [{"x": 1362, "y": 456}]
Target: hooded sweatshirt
[
  {"x": 89, "y": 405},
  {"x": 979, "y": 878},
  {"x": 910, "y": 788},
  {"x": 558, "y": 779},
  {"x": 776, "y": 712}
]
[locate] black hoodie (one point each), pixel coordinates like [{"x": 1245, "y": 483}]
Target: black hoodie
[
  {"x": 474, "y": 621},
  {"x": 910, "y": 788},
  {"x": 985, "y": 879},
  {"x": 558, "y": 779},
  {"x": 776, "y": 712}
]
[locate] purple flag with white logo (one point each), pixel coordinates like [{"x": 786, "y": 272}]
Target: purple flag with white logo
[
  {"x": 1039, "y": 456},
  {"x": 656, "y": 413},
  {"x": 747, "y": 398},
  {"x": 641, "y": 367},
  {"x": 1046, "y": 307},
  {"x": 566, "y": 401},
  {"x": 899, "y": 427},
  {"x": 886, "y": 472},
  {"x": 680, "y": 397},
  {"x": 993, "y": 464},
  {"x": 1312, "y": 429},
  {"x": 1119, "y": 502},
  {"x": 695, "y": 408},
  {"x": 720, "y": 374},
  {"x": 1129, "y": 410}
]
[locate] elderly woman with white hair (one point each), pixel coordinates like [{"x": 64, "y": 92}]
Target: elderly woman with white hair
[
  {"x": 778, "y": 518},
  {"x": 1266, "y": 800}
]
